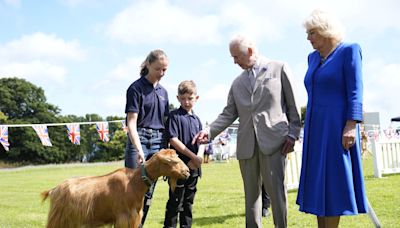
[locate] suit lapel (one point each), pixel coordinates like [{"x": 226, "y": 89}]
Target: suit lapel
[
  {"x": 246, "y": 81},
  {"x": 261, "y": 74}
]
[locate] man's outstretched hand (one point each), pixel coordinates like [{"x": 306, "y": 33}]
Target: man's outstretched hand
[{"x": 201, "y": 137}]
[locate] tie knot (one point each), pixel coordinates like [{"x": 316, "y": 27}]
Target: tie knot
[{"x": 252, "y": 72}]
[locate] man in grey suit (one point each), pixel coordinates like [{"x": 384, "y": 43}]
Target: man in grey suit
[{"x": 262, "y": 99}]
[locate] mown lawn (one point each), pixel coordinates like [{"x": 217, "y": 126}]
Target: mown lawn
[{"x": 219, "y": 201}]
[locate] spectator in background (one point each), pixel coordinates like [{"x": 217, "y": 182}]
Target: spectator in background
[
  {"x": 207, "y": 152},
  {"x": 266, "y": 202}
]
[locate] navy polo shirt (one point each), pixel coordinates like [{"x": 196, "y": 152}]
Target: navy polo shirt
[
  {"x": 151, "y": 103},
  {"x": 184, "y": 126}
]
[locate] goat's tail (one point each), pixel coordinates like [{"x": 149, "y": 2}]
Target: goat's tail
[{"x": 44, "y": 195}]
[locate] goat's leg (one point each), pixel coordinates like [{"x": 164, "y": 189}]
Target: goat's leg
[
  {"x": 136, "y": 219},
  {"x": 122, "y": 221}
]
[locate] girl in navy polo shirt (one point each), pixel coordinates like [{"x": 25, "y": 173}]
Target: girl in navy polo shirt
[{"x": 146, "y": 109}]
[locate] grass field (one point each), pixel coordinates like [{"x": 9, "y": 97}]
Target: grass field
[{"x": 219, "y": 201}]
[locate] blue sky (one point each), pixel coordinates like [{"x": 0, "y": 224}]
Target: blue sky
[{"x": 85, "y": 53}]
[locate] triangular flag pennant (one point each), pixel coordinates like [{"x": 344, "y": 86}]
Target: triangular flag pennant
[
  {"x": 102, "y": 129},
  {"x": 124, "y": 127},
  {"x": 42, "y": 132},
  {"x": 74, "y": 133},
  {"x": 4, "y": 137}
]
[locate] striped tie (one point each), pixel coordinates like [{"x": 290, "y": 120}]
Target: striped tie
[{"x": 251, "y": 77}]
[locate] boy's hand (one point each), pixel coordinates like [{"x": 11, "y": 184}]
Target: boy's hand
[{"x": 195, "y": 162}]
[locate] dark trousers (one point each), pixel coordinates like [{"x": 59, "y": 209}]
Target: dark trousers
[
  {"x": 266, "y": 202},
  {"x": 180, "y": 202}
]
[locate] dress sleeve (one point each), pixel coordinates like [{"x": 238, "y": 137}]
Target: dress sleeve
[{"x": 354, "y": 84}]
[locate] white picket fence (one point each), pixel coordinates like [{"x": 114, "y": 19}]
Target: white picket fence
[
  {"x": 386, "y": 156},
  {"x": 386, "y": 160},
  {"x": 293, "y": 167},
  {"x": 386, "y": 153}
]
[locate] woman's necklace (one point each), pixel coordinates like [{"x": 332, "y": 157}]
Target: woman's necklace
[{"x": 323, "y": 59}]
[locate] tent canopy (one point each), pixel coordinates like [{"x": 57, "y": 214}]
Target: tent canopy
[{"x": 396, "y": 118}]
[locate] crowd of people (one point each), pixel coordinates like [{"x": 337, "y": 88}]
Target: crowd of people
[{"x": 263, "y": 100}]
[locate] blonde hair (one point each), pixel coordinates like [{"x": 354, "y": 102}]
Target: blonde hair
[
  {"x": 327, "y": 25},
  {"x": 187, "y": 86},
  {"x": 151, "y": 57}
]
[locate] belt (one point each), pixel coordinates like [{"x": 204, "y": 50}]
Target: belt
[{"x": 149, "y": 130}]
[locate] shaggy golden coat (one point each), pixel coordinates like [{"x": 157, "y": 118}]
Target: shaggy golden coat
[{"x": 112, "y": 199}]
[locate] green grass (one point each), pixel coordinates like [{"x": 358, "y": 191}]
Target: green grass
[{"x": 219, "y": 201}]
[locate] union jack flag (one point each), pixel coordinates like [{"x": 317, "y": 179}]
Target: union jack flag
[
  {"x": 74, "y": 133},
  {"x": 124, "y": 127},
  {"x": 102, "y": 129},
  {"x": 4, "y": 137},
  {"x": 42, "y": 132}
]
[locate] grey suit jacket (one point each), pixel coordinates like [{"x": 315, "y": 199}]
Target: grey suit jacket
[{"x": 267, "y": 113}]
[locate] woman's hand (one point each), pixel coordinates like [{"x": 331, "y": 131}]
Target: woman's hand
[
  {"x": 140, "y": 157},
  {"x": 349, "y": 134}
]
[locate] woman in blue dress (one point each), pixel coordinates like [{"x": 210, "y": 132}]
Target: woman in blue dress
[{"x": 331, "y": 182}]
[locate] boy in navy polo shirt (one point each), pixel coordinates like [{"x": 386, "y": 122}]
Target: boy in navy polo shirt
[{"x": 182, "y": 125}]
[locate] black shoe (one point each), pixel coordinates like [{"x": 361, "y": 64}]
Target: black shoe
[{"x": 265, "y": 212}]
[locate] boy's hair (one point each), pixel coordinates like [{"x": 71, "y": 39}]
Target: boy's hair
[{"x": 187, "y": 86}]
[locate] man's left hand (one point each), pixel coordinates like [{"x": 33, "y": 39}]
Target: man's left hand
[{"x": 288, "y": 145}]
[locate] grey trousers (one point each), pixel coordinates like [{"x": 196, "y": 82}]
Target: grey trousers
[{"x": 269, "y": 170}]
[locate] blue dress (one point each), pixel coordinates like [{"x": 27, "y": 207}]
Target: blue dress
[{"x": 331, "y": 181}]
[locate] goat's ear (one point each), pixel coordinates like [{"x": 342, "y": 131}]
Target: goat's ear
[
  {"x": 170, "y": 158},
  {"x": 175, "y": 158}
]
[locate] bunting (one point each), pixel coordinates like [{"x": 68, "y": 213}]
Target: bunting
[
  {"x": 4, "y": 137},
  {"x": 102, "y": 129},
  {"x": 73, "y": 130},
  {"x": 74, "y": 133},
  {"x": 42, "y": 132}
]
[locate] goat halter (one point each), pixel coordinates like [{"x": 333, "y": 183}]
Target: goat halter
[{"x": 144, "y": 176}]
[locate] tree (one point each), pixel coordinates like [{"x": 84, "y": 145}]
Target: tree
[
  {"x": 3, "y": 117},
  {"x": 21, "y": 102},
  {"x": 303, "y": 114},
  {"x": 24, "y": 103},
  {"x": 20, "y": 99},
  {"x": 115, "y": 148},
  {"x": 111, "y": 151}
]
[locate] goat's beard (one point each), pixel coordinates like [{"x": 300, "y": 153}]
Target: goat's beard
[{"x": 172, "y": 183}]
